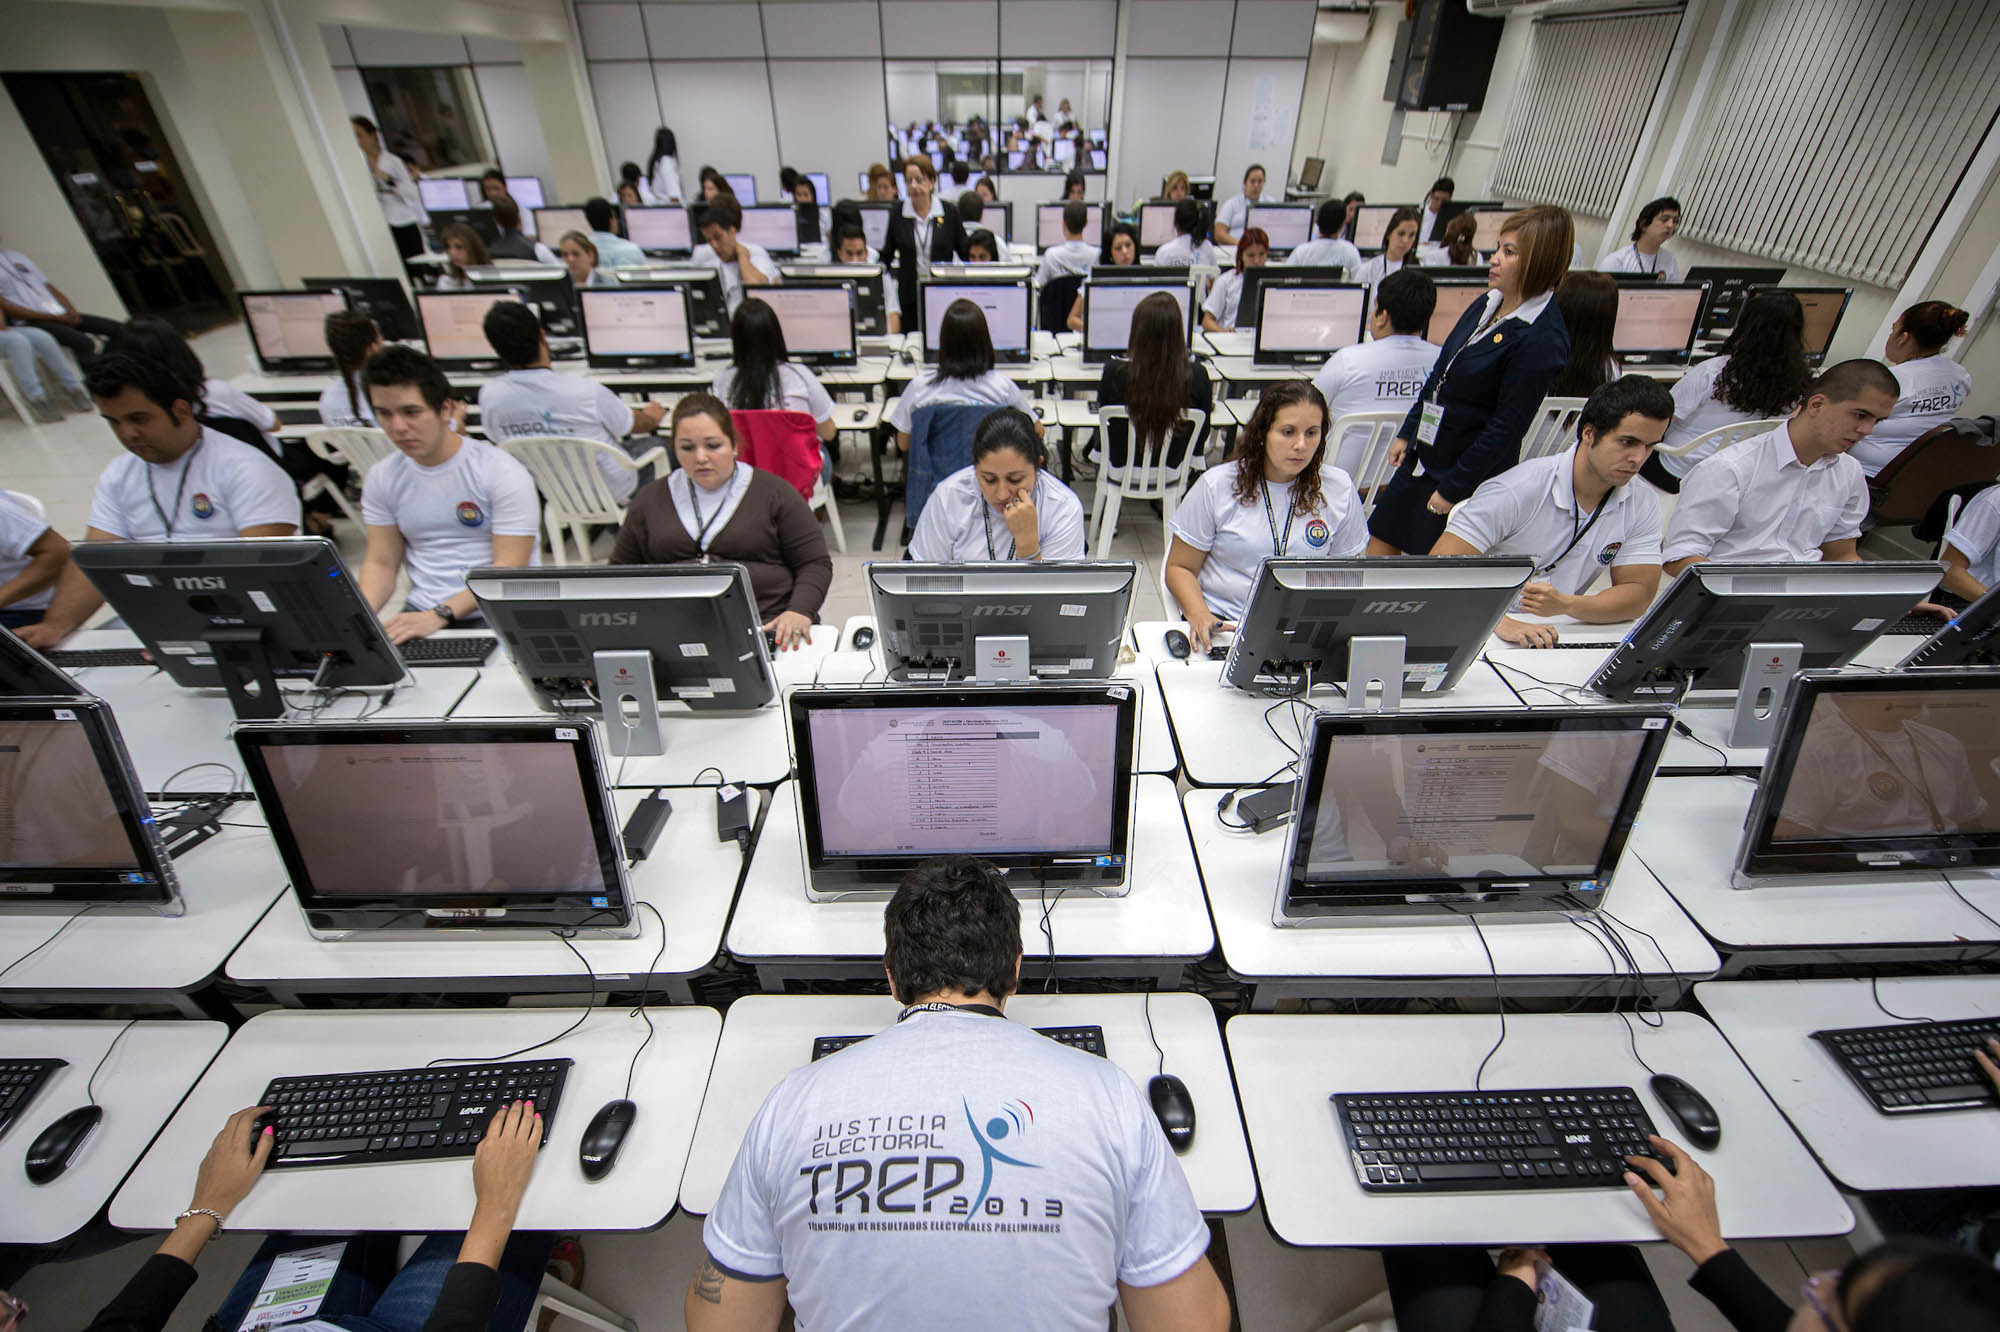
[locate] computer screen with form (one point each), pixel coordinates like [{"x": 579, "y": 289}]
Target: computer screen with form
[
  {"x": 454, "y": 323},
  {"x": 1049, "y": 225},
  {"x": 1108, "y": 307},
  {"x": 551, "y": 223},
  {"x": 1005, "y": 304},
  {"x": 641, "y": 321},
  {"x": 1310, "y": 322},
  {"x": 773, "y": 226},
  {"x": 287, "y": 327},
  {"x": 1453, "y": 298},
  {"x": 1657, "y": 321},
  {"x": 817, "y": 321},
  {"x": 1156, "y": 225},
  {"x": 1288, "y": 225},
  {"x": 663, "y": 228}
]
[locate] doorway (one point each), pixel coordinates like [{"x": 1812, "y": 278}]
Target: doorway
[{"x": 104, "y": 145}]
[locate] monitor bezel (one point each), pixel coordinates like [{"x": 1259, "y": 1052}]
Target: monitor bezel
[
  {"x": 541, "y": 191},
  {"x": 1094, "y": 352},
  {"x": 790, "y": 212},
  {"x": 1665, "y": 355},
  {"x": 849, "y": 355},
  {"x": 625, "y": 212},
  {"x": 1104, "y": 219},
  {"x": 1969, "y": 638},
  {"x": 1001, "y": 355},
  {"x": 871, "y": 315},
  {"x": 279, "y": 365},
  {"x": 1250, "y": 299},
  {"x": 368, "y": 295},
  {"x": 34, "y": 674},
  {"x": 1155, "y": 205},
  {"x": 534, "y": 218},
  {"x": 1846, "y": 295},
  {"x": 602, "y": 360}
]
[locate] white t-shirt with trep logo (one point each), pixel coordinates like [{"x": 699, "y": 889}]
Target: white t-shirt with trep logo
[
  {"x": 1238, "y": 537},
  {"x": 1933, "y": 389},
  {"x": 543, "y": 402},
  {"x": 1385, "y": 375},
  {"x": 450, "y": 513},
  {"x": 212, "y": 491}
]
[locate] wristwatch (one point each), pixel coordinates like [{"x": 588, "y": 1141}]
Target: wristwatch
[{"x": 444, "y": 612}]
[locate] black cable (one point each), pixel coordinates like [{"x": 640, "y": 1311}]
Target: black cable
[
  {"x": 645, "y": 988},
  {"x": 1968, "y": 903},
  {"x": 1162, "y": 1068},
  {"x": 1499, "y": 998},
  {"x": 72, "y": 919},
  {"x": 1540, "y": 685},
  {"x": 235, "y": 777},
  {"x": 1049, "y": 933},
  {"x": 90, "y": 1087},
  {"x": 1875, "y": 993},
  {"x": 696, "y": 780},
  {"x": 583, "y": 1017},
  {"x": 1722, "y": 768}
]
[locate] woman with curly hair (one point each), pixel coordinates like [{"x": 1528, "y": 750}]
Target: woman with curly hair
[{"x": 1761, "y": 372}]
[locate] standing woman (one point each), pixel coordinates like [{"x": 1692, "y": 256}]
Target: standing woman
[
  {"x": 1399, "y": 247},
  {"x": 926, "y": 230},
  {"x": 663, "y": 168},
  {"x": 1218, "y": 312},
  {"x": 1155, "y": 381},
  {"x": 1006, "y": 506},
  {"x": 1760, "y": 373},
  {"x": 1658, "y": 221},
  {"x": 761, "y": 375},
  {"x": 352, "y": 338},
  {"x": 1589, "y": 305},
  {"x": 1933, "y": 385},
  {"x": 402, "y": 203},
  {"x": 1483, "y": 393},
  {"x": 463, "y": 249}
]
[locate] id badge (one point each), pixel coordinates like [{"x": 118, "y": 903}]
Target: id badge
[{"x": 1429, "y": 417}]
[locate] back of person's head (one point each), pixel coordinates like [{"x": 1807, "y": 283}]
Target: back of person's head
[
  {"x": 399, "y": 366},
  {"x": 1456, "y": 237},
  {"x": 1848, "y": 380},
  {"x": 1076, "y": 216},
  {"x": 663, "y": 146},
  {"x": 971, "y": 207},
  {"x": 1767, "y": 372},
  {"x": 597, "y": 211},
  {"x": 1666, "y": 203},
  {"x": 1409, "y": 299},
  {"x": 162, "y": 383},
  {"x": 1546, "y": 237},
  {"x": 506, "y": 215},
  {"x": 350, "y": 335},
  {"x": 1191, "y": 219},
  {"x": 1443, "y": 185},
  {"x": 1330, "y": 217},
  {"x": 1933, "y": 323},
  {"x": 1008, "y": 428},
  {"x": 965, "y": 344},
  {"x": 952, "y": 928},
  {"x": 723, "y": 211},
  {"x": 1589, "y": 304},
  {"x": 1157, "y": 382},
  {"x": 514, "y": 332},
  {"x": 629, "y": 173},
  {"x": 1611, "y": 403},
  {"x": 757, "y": 347},
  {"x": 961, "y": 172},
  {"x": 788, "y": 180},
  {"x": 470, "y": 240},
  {"x": 1251, "y": 238},
  {"x": 1912, "y": 1285}
]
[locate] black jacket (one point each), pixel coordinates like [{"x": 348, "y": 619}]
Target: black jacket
[{"x": 899, "y": 255}]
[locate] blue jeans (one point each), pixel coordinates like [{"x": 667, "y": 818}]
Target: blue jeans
[
  {"x": 369, "y": 1294},
  {"x": 23, "y": 345}
]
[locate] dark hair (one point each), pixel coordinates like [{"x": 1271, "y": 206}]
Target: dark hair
[
  {"x": 1456, "y": 237},
  {"x": 1076, "y": 216},
  {"x": 952, "y": 927},
  {"x": 1191, "y": 219},
  {"x": 1589, "y": 304},
  {"x": 349, "y": 335},
  {"x": 1073, "y": 180},
  {"x": 1442, "y": 183},
  {"x": 845, "y": 232},
  {"x": 597, "y": 211},
  {"x": 961, "y": 172},
  {"x": 722, "y": 211},
  {"x": 514, "y": 332},
  {"x": 1008, "y": 428},
  {"x": 971, "y": 208},
  {"x": 1547, "y": 237},
  {"x": 1248, "y": 237},
  {"x": 1352, "y": 196},
  {"x": 757, "y": 347},
  {"x": 1767, "y": 372},
  {"x": 363, "y": 122},
  {"x": 663, "y": 146},
  {"x": 1127, "y": 230},
  {"x": 965, "y": 345},
  {"x": 1158, "y": 379},
  {"x": 1933, "y": 323},
  {"x": 1409, "y": 298},
  {"x": 493, "y": 173},
  {"x": 475, "y": 246},
  {"x": 1914, "y": 1284},
  {"x": 1850, "y": 379},
  {"x": 396, "y": 365},
  {"x": 722, "y": 186},
  {"x": 629, "y": 173},
  {"x": 157, "y": 341},
  {"x": 1331, "y": 217},
  {"x": 702, "y": 404},
  {"x": 1622, "y": 397},
  {"x": 1253, "y": 168},
  {"x": 507, "y": 214},
  {"x": 980, "y": 236},
  {"x": 1666, "y": 203},
  {"x": 1250, "y": 444},
  {"x": 115, "y": 371},
  {"x": 788, "y": 179},
  {"x": 1397, "y": 219}
]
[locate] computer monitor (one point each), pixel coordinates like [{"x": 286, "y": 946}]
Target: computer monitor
[
  {"x": 1371, "y": 223},
  {"x": 932, "y": 616},
  {"x": 1486, "y": 224},
  {"x": 498, "y": 825},
  {"x": 1250, "y": 299},
  {"x": 1202, "y": 188},
  {"x": 1453, "y": 299},
  {"x": 1100, "y": 159},
  {"x": 1303, "y": 323},
  {"x": 664, "y": 229},
  {"x": 385, "y": 300},
  {"x": 480, "y": 219},
  {"x": 1049, "y": 225},
  {"x": 875, "y": 223},
  {"x": 637, "y": 328},
  {"x": 1009, "y": 308},
  {"x": 1970, "y": 638},
  {"x": 773, "y": 226},
  {"x": 1823, "y": 306},
  {"x": 1035, "y": 779},
  {"x": 1015, "y": 157},
  {"x": 455, "y": 327},
  {"x": 288, "y": 329},
  {"x": 526, "y": 191},
  {"x": 997, "y": 218},
  {"x": 1455, "y": 272},
  {"x": 1288, "y": 225},
  {"x": 25, "y": 672},
  {"x": 550, "y": 224},
  {"x": 818, "y": 321},
  {"x": 1108, "y": 307},
  {"x": 1696, "y": 636},
  {"x": 76, "y": 831},
  {"x": 871, "y": 315},
  {"x": 1302, "y": 615},
  {"x": 1448, "y": 813},
  {"x": 443, "y": 192},
  {"x": 704, "y": 286},
  {"x": 1656, "y": 324},
  {"x": 241, "y": 615},
  {"x": 1310, "y": 171},
  {"x": 1727, "y": 290},
  {"x": 551, "y": 295},
  {"x": 1156, "y": 226},
  {"x": 743, "y": 185},
  {"x": 822, "y": 188}
]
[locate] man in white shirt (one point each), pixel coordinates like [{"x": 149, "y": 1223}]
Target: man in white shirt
[
  {"x": 32, "y": 557},
  {"x": 443, "y": 503},
  {"x": 1972, "y": 547},
  {"x": 613, "y": 250},
  {"x": 1234, "y": 215},
  {"x": 1387, "y": 373},
  {"x": 178, "y": 480},
  {"x": 1658, "y": 221},
  {"x": 28, "y": 297},
  {"x": 1792, "y": 496},
  {"x": 1075, "y": 256},
  {"x": 1434, "y": 205},
  {"x": 1327, "y": 249},
  {"x": 956, "y": 1162},
  {"x": 742, "y": 263},
  {"x": 531, "y": 398},
  {"x": 1577, "y": 514}
]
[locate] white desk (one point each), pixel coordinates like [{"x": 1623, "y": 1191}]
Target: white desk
[
  {"x": 1244, "y": 369},
  {"x": 1155, "y": 930},
  {"x": 139, "y": 1086},
  {"x": 1688, "y": 834},
  {"x": 1767, "y": 1185},
  {"x": 1385, "y": 956},
  {"x": 1770, "y": 1023},
  {"x": 638, "y": 1194},
  {"x": 690, "y": 879},
  {"x": 767, "y": 1036}
]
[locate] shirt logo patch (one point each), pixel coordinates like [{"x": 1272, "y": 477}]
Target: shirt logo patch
[
  {"x": 1610, "y": 552},
  {"x": 1318, "y": 533},
  {"x": 470, "y": 514},
  {"x": 203, "y": 506}
]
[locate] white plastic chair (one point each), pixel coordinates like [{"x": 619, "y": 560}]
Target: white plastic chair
[
  {"x": 359, "y": 447},
  {"x": 563, "y": 1299},
  {"x": 1145, "y": 475},
  {"x": 1371, "y": 471},
  {"x": 1554, "y": 429},
  {"x": 1722, "y": 437},
  {"x": 574, "y": 492}
]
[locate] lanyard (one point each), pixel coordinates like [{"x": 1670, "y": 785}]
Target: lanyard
[
  {"x": 983, "y": 1010},
  {"x": 187, "y": 466},
  {"x": 986, "y": 516},
  {"x": 1279, "y": 544},
  {"x": 701, "y": 528},
  {"x": 1437, "y": 395},
  {"x": 1577, "y": 534}
]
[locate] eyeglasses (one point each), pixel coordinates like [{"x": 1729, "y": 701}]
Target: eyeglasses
[{"x": 1821, "y": 1292}]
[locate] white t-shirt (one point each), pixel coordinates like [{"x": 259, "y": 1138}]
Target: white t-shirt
[
  {"x": 1375, "y": 269},
  {"x": 24, "y": 284},
  {"x": 1224, "y": 296},
  {"x": 1385, "y": 375},
  {"x": 1239, "y": 537},
  {"x": 1324, "y": 252},
  {"x": 1439, "y": 256},
  {"x": 1629, "y": 260},
  {"x": 1182, "y": 252},
  {"x": 929, "y": 389},
  {"x": 542, "y": 402},
  {"x": 450, "y": 513},
  {"x": 1072, "y": 256},
  {"x": 798, "y": 390},
  {"x": 336, "y": 409},
  {"x": 1933, "y": 389},
  {"x": 1757, "y": 503},
  {"x": 1976, "y": 535},
  {"x": 1234, "y": 214},
  {"x": 1530, "y": 509},
  {"x": 951, "y": 526},
  {"x": 1848, "y": 785},
  {"x": 614, "y": 251},
  {"x": 223, "y": 486},
  {"x": 732, "y": 277},
  {"x": 19, "y": 530},
  {"x": 222, "y": 398},
  {"x": 1697, "y": 411},
  {"x": 857, "y": 1171},
  {"x": 667, "y": 179},
  {"x": 402, "y": 202}
]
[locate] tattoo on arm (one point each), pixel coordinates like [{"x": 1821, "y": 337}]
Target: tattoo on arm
[{"x": 708, "y": 1281}]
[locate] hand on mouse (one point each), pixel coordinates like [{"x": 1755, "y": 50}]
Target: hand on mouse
[
  {"x": 1686, "y": 1215},
  {"x": 501, "y": 1167}
]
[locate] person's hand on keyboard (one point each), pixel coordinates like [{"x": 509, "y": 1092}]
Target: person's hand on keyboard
[
  {"x": 1989, "y": 1062},
  {"x": 407, "y": 625},
  {"x": 1523, "y": 634},
  {"x": 234, "y": 1161},
  {"x": 501, "y": 1169},
  {"x": 1686, "y": 1212}
]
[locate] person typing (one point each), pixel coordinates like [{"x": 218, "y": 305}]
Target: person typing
[
  {"x": 1075, "y": 256},
  {"x": 742, "y": 263},
  {"x": 1005, "y": 506}
]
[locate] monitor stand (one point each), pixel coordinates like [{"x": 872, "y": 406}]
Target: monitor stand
[
  {"x": 1375, "y": 663},
  {"x": 631, "y": 702},
  {"x": 1760, "y": 698},
  {"x": 244, "y": 660}
]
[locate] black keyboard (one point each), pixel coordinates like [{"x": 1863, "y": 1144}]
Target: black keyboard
[
  {"x": 1575, "y": 646},
  {"x": 401, "y": 1114},
  {"x": 20, "y": 1079},
  {"x": 470, "y": 650},
  {"x": 1088, "y": 1039},
  {"x": 1457, "y": 1142},
  {"x": 1911, "y": 1068},
  {"x": 75, "y": 658},
  {"x": 1922, "y": 626}
]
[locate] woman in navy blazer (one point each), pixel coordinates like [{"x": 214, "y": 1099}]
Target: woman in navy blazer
[
  {"x": 941, "y": 228},
  {"x": 1490, "y": 378}
]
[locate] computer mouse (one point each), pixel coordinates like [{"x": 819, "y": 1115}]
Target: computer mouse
[
  {"x": 57, "y": 1145},
  {"x": 603, "y": 1136},
  {"x": 1178, "y": 645},
  {"x": 1690, "y": 1109},
  {"x": 864, "y": 638},
  {"x": 1038, "y": 411},
  {"x": 860, "y": 413},
  {"x": 1174, "y": 1108}
]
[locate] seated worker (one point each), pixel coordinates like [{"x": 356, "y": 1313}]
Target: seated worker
[
  {"x": 579, "y": 256},
  {"x": 742, "y": 263},
  {"x": 1761, "y": 372},
  {"x": 1190, "y": 245},
  {"x": 463, "y": 249},
  {"x": 1386, "y": 373},
  {"x": 850, "y": 245},
  {"x": 1792, "y": 496},
  {"x": 1175, "y": 187},
  {"x": 1155, "y": 381},
  {"x": 33, "y": 556},
  {"x": 962, "y": 373},
  {"x": 613, "y": 250},
  {"x": 508, "y": 240},
  {"x": 1933, "y": 385},
  {"x": 1121, "y": 250},
  {"x": 631, "y": 177},
  {"x": 1075, "y": 256},
  {"x": 352, "y": 338},
  {"x": 28, "y": 298},
  {"x": 532, "y": 399},
  {"x": 29, "y": 350},
  {"x": 761, "y": 376},
  {"x": 1399, "y": 247},
  {"x": 1453, "y": 245},
  {"x": 716, "y": 507},
  {"x": 178, "y": 481},
  {"x": 1434, "y": 205},
  {"x": 1006, "y": 506},
  {"x": 1971, "y": 552},
  {"x": 1327, "y": 248},
  {"x": 1234, "y": 214},
  {"x": 493, "y": 186},
  {"x": 1130, "y": 1232},
  {"x": 442, "y": 503},
  {"x": 1218, "y": 312},
  {"x": 1658, "y": 221},
  {"x": 1577, "y": 514},
  {"x": 1229, "y": 523},
  {"x": 482, "y": 1280},
  {"x": 981, "y": 246}
]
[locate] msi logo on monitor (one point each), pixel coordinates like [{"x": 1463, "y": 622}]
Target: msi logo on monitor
[
  {"x": 1804, "y": 614},
  {"x": 998, "y": 608},
  {"x": 210, "y": 583},
  {"x": 607, "y": 619},
  {"x": 1393, "y": 607}
]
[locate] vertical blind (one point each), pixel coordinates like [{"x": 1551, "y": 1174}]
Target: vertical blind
[
  {"x": 1583, "y": 101},
  {"x": 1839, "y": 129}
]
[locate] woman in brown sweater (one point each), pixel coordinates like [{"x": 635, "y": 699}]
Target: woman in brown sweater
[{"x": 713, "y": 507}]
